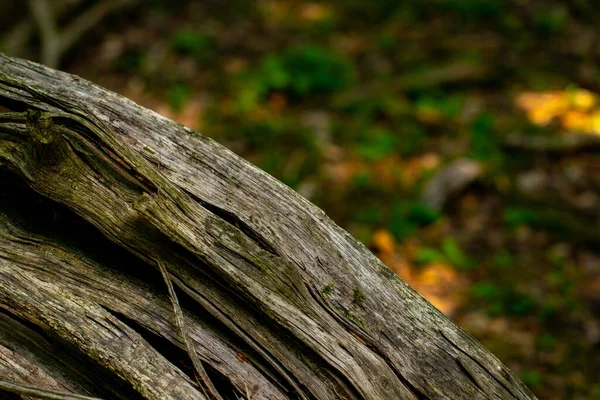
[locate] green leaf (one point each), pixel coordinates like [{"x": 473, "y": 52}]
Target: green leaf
[
  {"x": 377, "y": 144},
  {"x": 515, "y": 217},
  {"x": 454, "y": 254},
  {"x": 531, "y": 378},
  {"x": 423, "y": 215},
  {"x": 178, "y": 95},
  {"x": 198, "y": 45},
  {"x": 426, "y": 255},
  {"x": 485, "y": 290},
  {"x": 484, "y": 143},
  {"x": 300, "y": 72}
]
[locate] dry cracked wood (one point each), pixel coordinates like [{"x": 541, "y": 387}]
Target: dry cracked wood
[{"x": 278, "y": 301}]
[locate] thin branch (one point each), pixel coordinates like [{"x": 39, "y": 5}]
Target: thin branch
[
  {"x": 201, "y": 374},
  {"x": 49, "y": 37},
  {"x": 55, "y": 43},
  {"x": 88, "y": 20},
  {"x": 16, "y": 40}
]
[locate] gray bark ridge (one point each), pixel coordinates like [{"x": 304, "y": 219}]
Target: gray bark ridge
[{"x": 296, "y": 306}]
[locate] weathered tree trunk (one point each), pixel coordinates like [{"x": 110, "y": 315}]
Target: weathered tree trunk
[{"x": 99, "y": 194}]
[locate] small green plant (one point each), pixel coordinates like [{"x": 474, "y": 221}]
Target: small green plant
[
  {"x": 327, "y": 289},
  {"x": 445, "y": 107},
  {"x": 485, "y": 290},
  {"x": 449, "y": 252},
  {"x": 517, "y": 216},
  {"x": 299, "y": 72},
  {"x": 503, "y": 300},
  {"x": 178, "y": 95},
  {"x": 407, "y": 216},
  {"x": 531, "y": 378},
  {"x": 377, "y": 144},
  {"x": 358, "y": 296},
  {"x": 423, "y": 215},
  {"x": 546, "y": 341},
  {"x": 427, "y": 255},
  {"x": 198, "y": 45},
  {"x": 348, "y": 315},
  {"x": 484, "y": 143},
  {"x": 368, "y": 214},
  {"x": 455, "y": 255}
]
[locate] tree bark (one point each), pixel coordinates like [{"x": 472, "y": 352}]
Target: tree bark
[{"x": 99, "y": 194}]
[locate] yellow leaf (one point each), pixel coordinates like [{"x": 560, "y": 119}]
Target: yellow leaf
[
  {"x": 384, "y": 241},
  {"x": 583, "y": 99},
  {"x": 438, "y": 273},
  {"x": 595, "y": 122},
  {"x": 540, "y": 116},
  {"x": 577, "y": 121}
]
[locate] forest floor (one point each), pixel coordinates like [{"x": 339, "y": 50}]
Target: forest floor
[{"x": 457, "y": 139}]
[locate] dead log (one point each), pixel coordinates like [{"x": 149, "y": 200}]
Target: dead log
[{"x": 99, "y": 194}]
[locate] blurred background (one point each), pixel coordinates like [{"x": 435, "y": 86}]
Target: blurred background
[{"x": 458, "y": 139}]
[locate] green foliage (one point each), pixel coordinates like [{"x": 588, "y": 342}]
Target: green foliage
[
  {"x": 358, "y": 296},
  {"x": 559, "y": 222},
  {"x": 546, "y": 341},
  {"x": 198, "y": 45},
  {"x": 422, "y": 215},
  {"x": 503, "y": 260},
  {"x": 531, "y": 378},
  {"x": 517, "y": 216},
  {"x": 411, "y": 139},
  {"x": 361, "y": 180},
  {"x": 178, "y": 95},
  {"x": 552, "y": 20},
  {"x": 520, "y": 304},
  {"x": 503, "y": 300},
  {"x": 377, "y": 144},
  {"x": 406, "y": 217},
  {"x": 299, "y": 72},
  {"x": 365, "y": 108},
  {"x": 264, "y": 134},
  {"x": 426, "y": 255},
  {"x": 449, "y": 252},
  {"x": 349, "y": 315},
  {"x": 455, "y": 254},
  {"x": 327, "y": 289},
  {"x": 311, "y": 69},
  {"x": 369, "y": 214},
  {"x": 484, "y": 144},
  {"x": 485, "y": 290},
  {"x": 387, "y": 42},
  {"x": 447, "y": 107}
]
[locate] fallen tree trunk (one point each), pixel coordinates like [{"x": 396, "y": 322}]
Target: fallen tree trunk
[{"x": 98, "y": 195}]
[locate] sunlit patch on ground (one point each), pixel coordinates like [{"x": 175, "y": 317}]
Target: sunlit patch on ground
[{"x": 576, "y": 110}]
